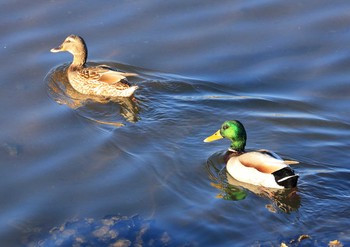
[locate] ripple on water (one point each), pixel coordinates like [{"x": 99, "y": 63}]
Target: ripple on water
[
  {"x": 153, "y": 94},
  {"x": 101, "y": 110},
  {"x": 285, "y": 76}
]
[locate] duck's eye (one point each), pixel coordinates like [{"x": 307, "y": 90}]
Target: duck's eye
[{"x": 225, "y": 127}]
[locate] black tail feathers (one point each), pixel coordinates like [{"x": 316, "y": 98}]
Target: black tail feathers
[{"x": 286, "y": 177}]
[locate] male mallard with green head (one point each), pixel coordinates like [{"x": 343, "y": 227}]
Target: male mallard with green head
[
  {"x": 260, "y": 167},
  {"x": 93, "y": 80}
]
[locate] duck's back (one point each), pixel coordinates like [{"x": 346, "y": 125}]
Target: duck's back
[{"x": 100, "y": 81}]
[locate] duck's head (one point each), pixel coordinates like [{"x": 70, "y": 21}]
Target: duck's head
[
  {"x": 232, "y": 130},
  {"x": 76, "y": 46}
]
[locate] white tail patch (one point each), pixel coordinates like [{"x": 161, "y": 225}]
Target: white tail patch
[{"x": 286, "y": 178}]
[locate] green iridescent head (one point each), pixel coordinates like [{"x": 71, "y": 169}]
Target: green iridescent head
[{"x": 232, "y": 130}]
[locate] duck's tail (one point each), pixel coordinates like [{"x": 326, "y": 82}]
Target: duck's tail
[
  {"x": 286, "y": 177},
  {"x": 128, "y": 91}
]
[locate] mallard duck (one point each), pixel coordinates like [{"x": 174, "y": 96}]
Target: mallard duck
[
  {"x": 262, "y": 167},
  {"x": 93, "y": 80}
]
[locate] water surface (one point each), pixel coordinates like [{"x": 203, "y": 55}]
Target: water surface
[{"x": 281, "y": 68}]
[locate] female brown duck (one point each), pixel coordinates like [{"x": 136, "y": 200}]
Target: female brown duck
[{"x": 97, "y": 80}]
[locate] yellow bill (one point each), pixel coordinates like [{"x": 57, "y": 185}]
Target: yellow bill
[{"x": 214, "y": 137}]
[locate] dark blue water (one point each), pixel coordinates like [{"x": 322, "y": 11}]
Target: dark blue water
[{"x": 279, "y": 67}]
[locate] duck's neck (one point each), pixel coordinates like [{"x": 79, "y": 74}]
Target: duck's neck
[
  {"x": 237, "y": 146},
  {"x": 231, "y": 153},
  {"x": 79, "y": 59}
]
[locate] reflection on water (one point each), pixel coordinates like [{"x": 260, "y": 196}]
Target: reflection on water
[
  {"x": 112, "y": 230},
  {"x": 281, "y": 67},
  {"x": 286, "y": 200},
  {"x": 99, "y": 109}
]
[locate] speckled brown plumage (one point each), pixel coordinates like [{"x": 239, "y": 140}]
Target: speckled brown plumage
[{"x": 97, "y": 80}]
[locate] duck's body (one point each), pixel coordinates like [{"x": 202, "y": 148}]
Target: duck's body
[
  {"x": 93, "y": 80},
  {"x": 100, "y": 81},
  {"x": 262, "y": 168}
]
